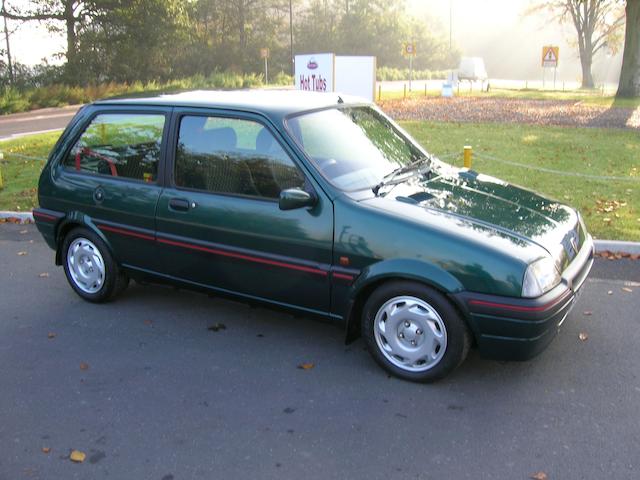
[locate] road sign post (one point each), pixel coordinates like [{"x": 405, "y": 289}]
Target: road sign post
[
  {"x": 409, "y": 50},
  {"x": 410, "y": 71},
  {"x": 264, "y": 53}
]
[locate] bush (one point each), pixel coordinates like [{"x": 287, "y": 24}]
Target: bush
[
  {"x": 13, "y": 100},
  {"x": 281, "y": 79}
]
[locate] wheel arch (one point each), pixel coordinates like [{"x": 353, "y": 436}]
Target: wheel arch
[
  {"x": 380, "y": 273},
  {"x": 73, "y": 220}
]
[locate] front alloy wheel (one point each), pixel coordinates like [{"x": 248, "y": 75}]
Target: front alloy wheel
[
  {"x": 410, "y": 333},
  {"x": 413, "y": 331}
]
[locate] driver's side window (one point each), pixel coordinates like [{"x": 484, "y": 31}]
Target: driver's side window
[{"x": 232, "y": 156}]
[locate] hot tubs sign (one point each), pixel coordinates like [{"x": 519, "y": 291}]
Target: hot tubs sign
[{"x": 315, "y": 72}]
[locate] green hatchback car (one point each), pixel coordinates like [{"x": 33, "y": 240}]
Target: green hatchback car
[{"x": 319, "y": 204}]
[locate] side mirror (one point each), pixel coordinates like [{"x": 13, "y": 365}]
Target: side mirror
[{"x": 293, "y": 198}]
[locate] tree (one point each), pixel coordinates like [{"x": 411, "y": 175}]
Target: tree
[
  {"x": 372, "y": 27},
  {"x": 597, "y": 22},
  {"x": 132, "y": 40},
  {"x": 70, "y": 12},
  {"x": 629, "y": 85}
]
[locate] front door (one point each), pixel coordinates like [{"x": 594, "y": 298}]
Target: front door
[{"x": 219, "y": 224}]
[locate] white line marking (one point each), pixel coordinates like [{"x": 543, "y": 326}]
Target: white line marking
[{"x": 18, "y": 135}]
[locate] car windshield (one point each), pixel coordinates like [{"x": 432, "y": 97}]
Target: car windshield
[{"x": 354, "y": 147}]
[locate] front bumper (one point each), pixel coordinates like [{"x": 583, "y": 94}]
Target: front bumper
[{"x": 508, "y": 328}]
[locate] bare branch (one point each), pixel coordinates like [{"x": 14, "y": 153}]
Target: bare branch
[{"x": 31, "y": 16}]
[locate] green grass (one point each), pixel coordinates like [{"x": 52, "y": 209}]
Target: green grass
[
  {"x": 21, "y": 174},
  {"x": 611, "y": 208},
  {"x": 587, "y": 97}
]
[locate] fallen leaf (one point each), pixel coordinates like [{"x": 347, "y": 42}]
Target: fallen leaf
[
  {"x": 46, "y": 449},
  {"x": 583, "y": 336},
  {"x": 539, "y": 476},
  {"x": 626, "y": 289},
  {"x": 148, "y": 322},
  {"x": 587, "y": 313},
  {"x": 44, "y": 275},
  {"x": 84, "y": 366},
  {"x": 217, "y": 327},
  {"x": 24, "y": 232},
  {"x": 22, "y": 254},
  {"x": 77, "y": 456},
  {"x": 306, "y": 366},
  {"x": 51, "y": 335},
  {"x": 610, "y": 292}
]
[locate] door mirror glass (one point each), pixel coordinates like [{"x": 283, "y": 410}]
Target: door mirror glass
[{"x": 293, "y": 198}]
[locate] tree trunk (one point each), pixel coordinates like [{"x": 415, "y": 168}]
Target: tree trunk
[
  {"x": 6, "y": 38},
  {"x": 70, "y": 23},
  {"x": 587, "y": 77},
  {"x": 629, "y": 84}
]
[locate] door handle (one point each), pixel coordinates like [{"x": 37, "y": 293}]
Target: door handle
[{"x": 179, "y": 204}]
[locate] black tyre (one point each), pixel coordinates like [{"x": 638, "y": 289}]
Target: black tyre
[
  {"x": 413, "y": 331},
  {"x": 90, "y": 268}
]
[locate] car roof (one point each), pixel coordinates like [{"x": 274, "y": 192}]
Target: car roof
[{"x": 269, "y": 102}]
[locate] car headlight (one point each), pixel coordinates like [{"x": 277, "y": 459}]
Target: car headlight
[{"x": 540, "y": 277}]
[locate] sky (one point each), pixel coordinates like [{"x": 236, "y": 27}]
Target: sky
[
  {"x": 510, "y": 41},
  {"x": 496, "y": 30}
]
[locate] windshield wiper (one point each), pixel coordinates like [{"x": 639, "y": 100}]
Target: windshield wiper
[{"x": 389, "y": 178}]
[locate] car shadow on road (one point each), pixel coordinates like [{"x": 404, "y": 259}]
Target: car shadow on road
[{"x": 184, "y": 314}]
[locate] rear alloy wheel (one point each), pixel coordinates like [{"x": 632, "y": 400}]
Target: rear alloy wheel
[
  {"x": 414, "y": 332},
  {"x": 90, "y": 268}
]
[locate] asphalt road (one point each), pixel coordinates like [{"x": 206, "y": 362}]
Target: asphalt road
[
  {"x": 164, "y": 398},
  {"x": 43, "y": 120}
]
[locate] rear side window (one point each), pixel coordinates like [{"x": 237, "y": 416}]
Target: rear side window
[
  {"x": 119, "y": 145},
  {"x": 230, "y": 155}
]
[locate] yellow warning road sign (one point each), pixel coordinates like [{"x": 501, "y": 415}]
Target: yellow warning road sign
[{"x": 550, "y": 56}]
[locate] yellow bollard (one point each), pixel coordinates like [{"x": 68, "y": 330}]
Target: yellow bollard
[{"x": 467, "y": 156}]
